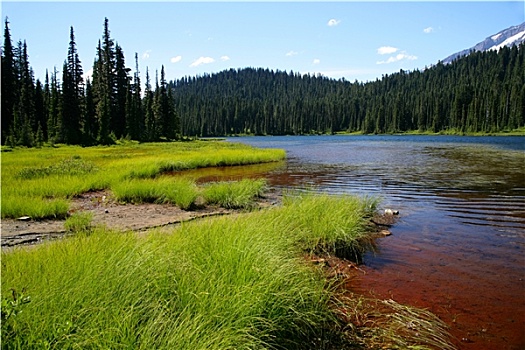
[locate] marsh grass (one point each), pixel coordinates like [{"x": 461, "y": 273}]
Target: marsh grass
[
  {"x": 71, "y": 166},
  {"x": 182, "y": 192},
  {"x": 235, "y": 282},
  {"x": 313, "y": 215},
  {"x": 34, "y": 207},
  {"x": 234, "y": 194},
  {"x": 79, "y": 222},
  {"x": 39, "y": 182},
  {"x": 220, "y": 283}
]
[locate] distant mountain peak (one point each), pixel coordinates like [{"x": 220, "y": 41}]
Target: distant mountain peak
[{"x": 514, "y": 35}]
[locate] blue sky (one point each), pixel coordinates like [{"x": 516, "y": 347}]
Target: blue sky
[{"x": 354, "y": 40}]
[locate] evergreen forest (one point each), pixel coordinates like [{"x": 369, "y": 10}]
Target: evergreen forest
[{"x": 483, "y": 92}]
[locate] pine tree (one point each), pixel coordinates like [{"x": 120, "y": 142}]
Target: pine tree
[
  {"x": 9, "y": 83},
  {"x": 53, "y": 113},
  {"x": 90, "y": 128},
  {"x": 40, "y": 112},
  {"x": 134, "y": 115},
  {"x": 118, "y": 116},
  {"x": 149, "y": 115},
  {"x": 72, "y": 96},
  {"x": 104, "y": 86},
  {"x": 24, "y": 114}
]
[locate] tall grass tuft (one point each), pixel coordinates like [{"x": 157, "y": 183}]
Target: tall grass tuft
[
  {"x": 34, "y": 207},
  {"x": 79, "y": 222},
  {"x": 182, "y": 192},
  {"x": 312, "y": 215},
  {"x": 235, "y": 194}
]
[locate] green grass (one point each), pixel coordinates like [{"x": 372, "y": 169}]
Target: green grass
[
  {"x": 219, "y": 283},
  {"x": 237, "y": 282},
  {"x": 40, "y": 182},
  {"x": 314, "y": 216},
  {"x": 182, "y": 192},
  {"x": 234, "y": 195},
  {"x": 79, "y": 222}
]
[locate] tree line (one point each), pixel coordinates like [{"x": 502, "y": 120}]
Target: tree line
[
  {"x": 481, "y": 92},
  {"x": 67, "y": 109}
]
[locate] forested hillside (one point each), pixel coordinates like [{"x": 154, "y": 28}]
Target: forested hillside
[{"x": 482, "y": 92}]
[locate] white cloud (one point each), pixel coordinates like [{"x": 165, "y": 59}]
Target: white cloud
[
  {"x": 291, "y": 53},
  {"x": 225, "y": 58},
  {"x": 316, "y": 61},
  {"x": 428, "y": 30},
  {"x": 202, "y": 60},
  {"x": 402, "y": 56},
  {"x": 145, "y": 55},
  {"x": 176, "y": 59},
  {"x": 333, "y": 22},
  {"x": 387, "y": 50}
]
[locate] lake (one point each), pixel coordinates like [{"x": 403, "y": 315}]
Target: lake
[{"x": 458, "y": 247}]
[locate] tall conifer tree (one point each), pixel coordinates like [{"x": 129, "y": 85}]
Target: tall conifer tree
[
  {"x": 72, "y": 96},
  {"x": 9, "y": 83}
]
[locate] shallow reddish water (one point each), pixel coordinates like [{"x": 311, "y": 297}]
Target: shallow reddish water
[{"x": 458, "y": 248}]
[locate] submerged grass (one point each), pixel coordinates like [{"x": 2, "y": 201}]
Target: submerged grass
[
  {"x": 39, "y": 182},
  {"x": 220, "y": 283}
]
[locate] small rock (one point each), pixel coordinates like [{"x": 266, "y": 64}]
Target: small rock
[
  {"x": 24, "y": 218},
  {"x": 106, "y": 211},
  {"x": 391, "y": 212},
  {"x": 385, "y": 233}
]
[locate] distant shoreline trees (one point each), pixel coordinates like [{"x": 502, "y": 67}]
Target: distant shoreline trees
[{"x": 483, "y": 92}]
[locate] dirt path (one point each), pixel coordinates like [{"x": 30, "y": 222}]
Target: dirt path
[{"x": 114, "y": 215}]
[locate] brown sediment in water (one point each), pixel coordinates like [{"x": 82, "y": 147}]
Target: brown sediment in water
[{"x": 475, "y": 320}]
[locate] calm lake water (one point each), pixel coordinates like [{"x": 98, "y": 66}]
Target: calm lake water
[{"x": 458, "y": 247}]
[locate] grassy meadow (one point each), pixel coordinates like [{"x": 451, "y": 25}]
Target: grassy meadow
[{"x": 40, "y": 182}]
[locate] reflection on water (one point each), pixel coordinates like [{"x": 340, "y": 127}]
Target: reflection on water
[{"x": 458, "y": 248}]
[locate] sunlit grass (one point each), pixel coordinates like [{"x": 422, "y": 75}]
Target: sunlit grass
[
  {"x": 239, "y": 194},
  {"x": 79, "y": 222},
  {"x": 46, "y": 177},
  {"x": 182, "y": 192},
  {"x": 314, "y": 216},
  {"x": 219, "y": 283},
  {"x": 235, "y": 282}
]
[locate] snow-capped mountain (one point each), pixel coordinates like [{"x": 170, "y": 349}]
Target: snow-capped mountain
[{"x": 514, "y": 35}]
